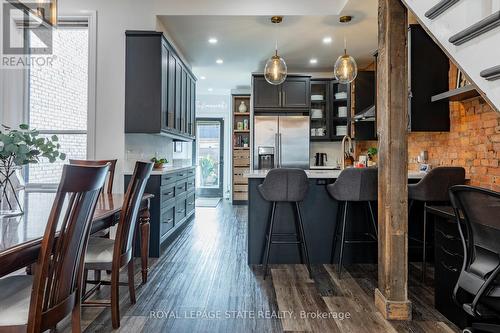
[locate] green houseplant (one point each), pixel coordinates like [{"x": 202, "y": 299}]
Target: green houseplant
[
  {"x": 159, "y": 162},
  {"x": 207, "y": 165},
  {"x": 20, "y": 147}
]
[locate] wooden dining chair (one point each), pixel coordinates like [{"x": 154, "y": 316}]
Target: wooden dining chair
[
  {"x": 108, "y": 188},
  {"x": 109, "y": 254},
  {"x": 37, "y": 303}
]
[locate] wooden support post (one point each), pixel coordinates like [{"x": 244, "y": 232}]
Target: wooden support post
[{"x": 391, "y": 297}]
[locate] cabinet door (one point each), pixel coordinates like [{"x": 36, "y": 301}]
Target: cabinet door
[
  {"x": 178, "y": 94},
  {"x": 183, "y": 101},
  {"x": 164, "y": 86},
  {"x": 171, "y": 91},
  {"x": 296, "y": 92},
  {"x": 266, "y": 95},
  {"x": 193, "y": 107},
  {"x": 188, "y": 105}
]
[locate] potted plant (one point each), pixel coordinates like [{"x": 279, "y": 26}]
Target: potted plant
[
  {"x": 372, "y": 152},
  {"x": 159, "y": 162},
  {"x": 19, "y": 147},
  {"x": 207, "y": 165}
]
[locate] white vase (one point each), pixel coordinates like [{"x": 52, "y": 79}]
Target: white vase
[{"x": 243, "y": 107}]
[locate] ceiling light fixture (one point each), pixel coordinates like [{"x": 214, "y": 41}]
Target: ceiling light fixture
[
  {"x": 210, "y": 89},
  {"x": 327, "y": 40},
  {"x": 345, "y": 69},
  {"x": 313, "y": 61},
  {"x": 212, "y": 40},
  {"x": 219, "y": 61},
  {"x": 275, "y": 70},
  {"x": 202, "y": 77},
  {"x": 46, "y": 10}
]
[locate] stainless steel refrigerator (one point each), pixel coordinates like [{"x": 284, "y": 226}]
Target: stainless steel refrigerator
[{"x": 286, "y": 137}]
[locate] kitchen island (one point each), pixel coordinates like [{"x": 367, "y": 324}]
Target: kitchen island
[{"x": 319, "y": 212}]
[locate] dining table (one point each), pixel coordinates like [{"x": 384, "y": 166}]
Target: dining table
[{"x": 21, "y": 236}]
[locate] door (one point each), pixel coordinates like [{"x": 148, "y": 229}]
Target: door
[
  {"x": 266, "y": 95},
  {"x": 209, "y": 157},
  {"x": 295, "y": 92},
  {"x": 265, "y": 135},
  {"x": 293, "y": 143}
]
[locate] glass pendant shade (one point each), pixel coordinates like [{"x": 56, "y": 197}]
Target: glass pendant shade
[
  {"x": 345, "y": 69},
  {"x": 275, "y": 71}
]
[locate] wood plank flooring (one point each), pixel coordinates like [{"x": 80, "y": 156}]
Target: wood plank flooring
[{"x": 203, "y": 284}]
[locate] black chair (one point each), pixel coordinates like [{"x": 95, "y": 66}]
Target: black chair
[
  {"x": 280, "y": 186},
  {"x": 478, "y": 218},
  {"x": 433, "y": 188},
  {"x": 354, "y": 185}
]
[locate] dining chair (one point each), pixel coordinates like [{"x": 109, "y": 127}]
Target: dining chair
[
  {"x": 113, "y": 255},
  {"x": 37, "y": 303}
]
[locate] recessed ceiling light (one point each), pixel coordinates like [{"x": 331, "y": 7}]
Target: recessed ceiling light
[
  {"x": 219, "y": 61},
  {"x": 210, "y": 89},
  {"x": 212, "y": 40},
  {"x": 202, "y": 77},
  {"x": 327, "y": 40},
  {"x": 313, "y": 61}
]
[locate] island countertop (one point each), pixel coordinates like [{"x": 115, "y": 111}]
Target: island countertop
[{"x": 321, "y": 174}]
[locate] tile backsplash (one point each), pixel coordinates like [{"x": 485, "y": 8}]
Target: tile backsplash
[
  {"x": 145, "y": 146},
  {"x": 332, "y": 149}
]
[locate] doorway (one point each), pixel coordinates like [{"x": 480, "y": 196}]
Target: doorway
[{"x": 209, "y": 157}]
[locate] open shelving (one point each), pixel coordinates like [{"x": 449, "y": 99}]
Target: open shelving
[{"x": 240, "y": 148}]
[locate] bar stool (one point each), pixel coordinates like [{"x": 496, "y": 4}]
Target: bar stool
[
  {"x": 434, "y": 188},
  {"x": 353, "y": 185},
  {"x": 280, "y": 186}
]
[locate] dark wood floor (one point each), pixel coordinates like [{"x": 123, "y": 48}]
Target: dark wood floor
[{"x": 203, "y": 284}]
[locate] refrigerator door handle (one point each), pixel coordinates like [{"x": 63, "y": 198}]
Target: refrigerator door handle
[
  {"x": 281, "y": 151},
  {"x": 277, "y": 152}
]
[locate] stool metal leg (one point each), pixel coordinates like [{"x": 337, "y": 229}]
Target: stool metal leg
[
  {"x": 269, "y": 237},
  {"x": 346, "y": 206},
  {"x": 373, "y": 218},
  {"x": 336, "y": 228},
  {"x": 424, "y": 250},
  {"x": 303, "y": 239}
]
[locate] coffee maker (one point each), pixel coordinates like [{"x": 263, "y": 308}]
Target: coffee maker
[
  {"x": 321, "y": 159},
  {"x": 266, "y": 158}
]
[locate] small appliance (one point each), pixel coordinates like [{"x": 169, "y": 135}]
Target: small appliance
[{"x": 321, "y": 159}]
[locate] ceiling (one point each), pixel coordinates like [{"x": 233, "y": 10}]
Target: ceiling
[{"x": 244, "y": 43}]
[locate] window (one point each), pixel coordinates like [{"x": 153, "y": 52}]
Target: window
[{"x": 58, "y": 98}]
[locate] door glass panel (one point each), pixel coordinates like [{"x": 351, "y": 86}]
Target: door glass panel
[{"x": 208, "y": 171}]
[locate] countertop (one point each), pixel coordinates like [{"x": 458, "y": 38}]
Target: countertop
[
  {"x": 321, "y": 174},
  {"x": 167, "y": 169}
]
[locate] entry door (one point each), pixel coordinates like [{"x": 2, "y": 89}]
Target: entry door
[{"x": 209, "y": 157}]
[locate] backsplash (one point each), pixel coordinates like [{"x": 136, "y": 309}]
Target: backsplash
[
  {"x": 332, "y": 149},
  {"x": 145, "y": 146}
]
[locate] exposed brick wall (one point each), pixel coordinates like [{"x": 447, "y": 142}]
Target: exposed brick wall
[{"x": 473, "y": 142}]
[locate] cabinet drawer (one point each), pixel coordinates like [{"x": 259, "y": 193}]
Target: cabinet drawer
[
  {"x": 168, "y": 178},
  {"x": 180, "y": 187},
  {"x": 190, "y": 203},
  {"x": 240, "y": 188},
  {"x": 167, "y": 220},
  {"x": 241, "y": 161},
  {"x": 240, "y": 196},
  {"x": 190, "y": 184},
  {"x": 238, "y": 176},
  {"x": 191, "y": 172},
  {"x": 241, "y": 153},
  {"x": 182, "y": 174},
  {"x": 180, "y": 210},
  {"x": 167, "y": 192}
]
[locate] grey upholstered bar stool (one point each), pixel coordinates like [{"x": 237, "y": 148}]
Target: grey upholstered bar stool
[
  {"x": 433, "y": 188},
  {"x": 280, "y": 186},
  {"x": 353, "y": 185}
]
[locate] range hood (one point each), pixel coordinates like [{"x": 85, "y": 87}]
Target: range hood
[{"x": 367, "y": 114}]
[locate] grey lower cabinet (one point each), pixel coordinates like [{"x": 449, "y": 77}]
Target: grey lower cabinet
[{"x": 171, "y": 208}]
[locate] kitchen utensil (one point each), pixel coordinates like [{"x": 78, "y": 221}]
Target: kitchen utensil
[{"x": 320, "y": 159}]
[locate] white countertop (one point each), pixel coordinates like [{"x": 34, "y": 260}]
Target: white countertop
[
  {"x": 321, "y": 174},
  {"x": 167, "y": 169}
]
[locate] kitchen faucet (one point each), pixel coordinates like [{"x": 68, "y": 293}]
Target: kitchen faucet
[{"x": 349, "y": 151}]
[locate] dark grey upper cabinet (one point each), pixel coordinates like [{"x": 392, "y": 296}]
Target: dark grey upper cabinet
[
  {"x": 294, "y": 93},
  {"x": 429, "y": 70},
  {"x": 266, "y": 95},
  {"x": 157, "y": 99}
]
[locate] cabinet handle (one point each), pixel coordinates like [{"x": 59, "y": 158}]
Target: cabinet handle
[
  {"x": 169, "y": 220},
  {"x": 180, "y": 211},
  {"x": 169, "y": 193}
]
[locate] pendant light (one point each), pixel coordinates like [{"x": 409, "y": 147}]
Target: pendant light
[
  {"x": 275, "y": 70},
  {"x": 345, "y": 69},
  {"x": 47, "y": 11}
]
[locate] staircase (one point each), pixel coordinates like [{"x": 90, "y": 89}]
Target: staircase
[{"x": 469, "y": 32}]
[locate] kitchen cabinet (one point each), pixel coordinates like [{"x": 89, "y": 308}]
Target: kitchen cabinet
[
  {"x": 159, "y": 88},
  {"x": 294, "y": 93},
  {"x": 172, "y": 206},
  {"x": 428, "y": 76},
  {"x": 365, "y": 125}
]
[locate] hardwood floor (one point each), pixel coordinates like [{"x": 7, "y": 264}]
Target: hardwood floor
[{"x": 203, "y": 284}]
